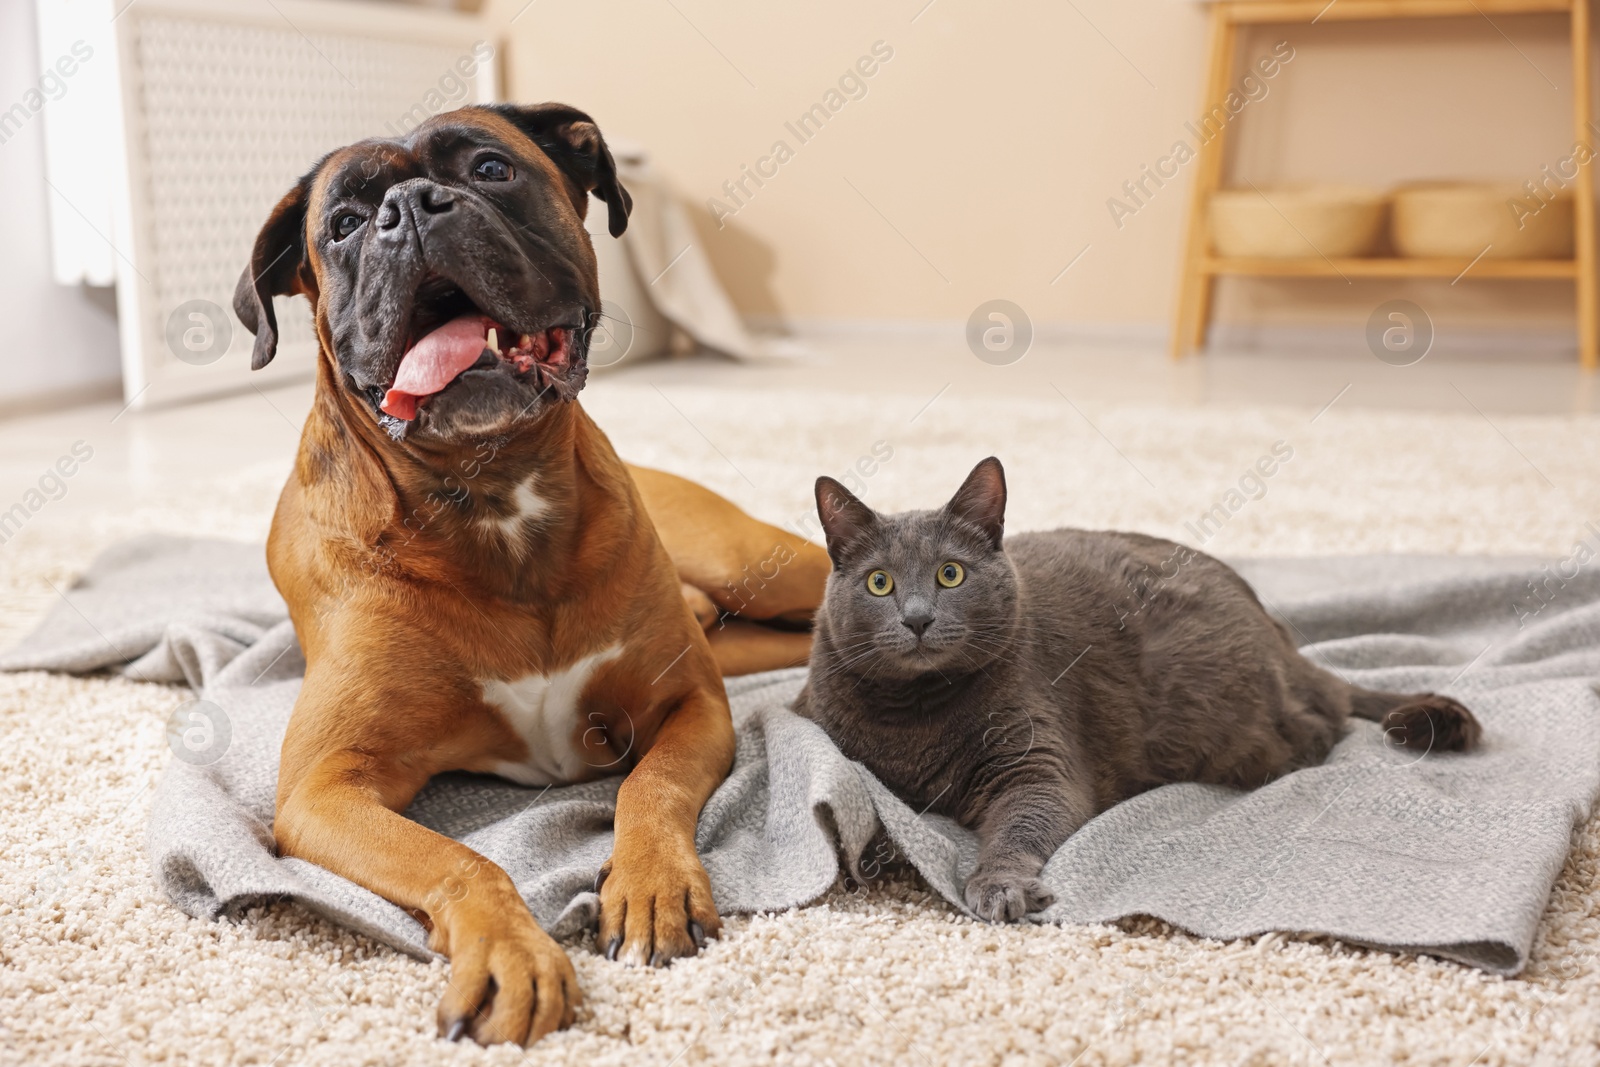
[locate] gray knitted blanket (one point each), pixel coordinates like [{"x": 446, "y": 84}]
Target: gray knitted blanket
[{"x": 1446, "y": 854}]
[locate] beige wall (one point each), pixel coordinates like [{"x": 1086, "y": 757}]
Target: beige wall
[{"x": 984, "y": 152}]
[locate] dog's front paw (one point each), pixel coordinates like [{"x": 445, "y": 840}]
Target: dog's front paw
[
  {"x": 655, "y": 906},
  {"x": 1002, "y": 896},
  {"x": 509, "y": 982}
]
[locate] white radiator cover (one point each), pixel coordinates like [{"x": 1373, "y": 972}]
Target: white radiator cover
[{"x": 170, "y": 153}]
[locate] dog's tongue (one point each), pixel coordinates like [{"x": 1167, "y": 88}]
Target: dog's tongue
[{"x": 433, "y": 363}]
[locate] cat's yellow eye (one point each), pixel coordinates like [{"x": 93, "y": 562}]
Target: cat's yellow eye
[
  {"x": 951, "y": 575},
  {"x": 879, "y": 583}
]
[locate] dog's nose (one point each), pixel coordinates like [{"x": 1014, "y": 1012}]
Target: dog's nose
[
  {"x": 417, "y": 197},
  {"x": 917, "y": 620},
  {"x": 434, "y": 199}
]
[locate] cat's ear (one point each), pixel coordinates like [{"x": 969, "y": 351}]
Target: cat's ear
[
  {"x": 845, "y": 519},
  {"x": 981, "y": 500}
]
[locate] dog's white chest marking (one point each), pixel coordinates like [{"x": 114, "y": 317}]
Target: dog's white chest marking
[
  {"x": 543, "y": 710},
  {"x": 525, "y": 505}
]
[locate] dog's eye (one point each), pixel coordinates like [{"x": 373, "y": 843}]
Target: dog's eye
[
  {"x": 493, "y": 170},
  {"x": 345, "y": 225},
  {"x": 952, "y": 575},
  {"x": 879, "y": 583}
]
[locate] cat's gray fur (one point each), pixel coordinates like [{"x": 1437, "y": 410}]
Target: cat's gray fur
[{"x": 1068, "y": 671}]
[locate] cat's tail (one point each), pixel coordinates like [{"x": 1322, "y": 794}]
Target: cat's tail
[{"x": 1422, "y": 721}]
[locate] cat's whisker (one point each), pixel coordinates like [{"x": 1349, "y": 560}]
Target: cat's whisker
[{"x": 846, "y": 661}]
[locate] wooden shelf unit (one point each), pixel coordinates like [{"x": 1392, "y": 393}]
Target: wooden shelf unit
[
  {"x": 1201, "y": 267},
  {"x": 1315, "y": 267}
]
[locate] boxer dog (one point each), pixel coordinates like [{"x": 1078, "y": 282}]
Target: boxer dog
[{"x": 477, "y": 581}]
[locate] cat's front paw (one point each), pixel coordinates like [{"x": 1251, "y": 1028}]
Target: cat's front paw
[{"x": 1001, "y": 896}]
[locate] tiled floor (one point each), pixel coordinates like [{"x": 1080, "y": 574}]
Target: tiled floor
[{"x": 137, "y": 452}]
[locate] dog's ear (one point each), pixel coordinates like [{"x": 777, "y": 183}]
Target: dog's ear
[
  {"x": 573, "y": 142},
  {"x": 981, "y": 500},
  {"x": 845, "y": 519},
  {"x": 276, "y": 268}
]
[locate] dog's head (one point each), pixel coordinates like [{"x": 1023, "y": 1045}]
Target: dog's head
[{"x": 452, "y": 281}]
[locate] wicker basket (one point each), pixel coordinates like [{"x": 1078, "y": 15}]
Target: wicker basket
[
  {"x": 1292, "y": 222},
  {"x": 1461, "y": 219}
]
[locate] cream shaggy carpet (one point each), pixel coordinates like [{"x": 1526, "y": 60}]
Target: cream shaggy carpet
[{"x": 97, "y": 968}]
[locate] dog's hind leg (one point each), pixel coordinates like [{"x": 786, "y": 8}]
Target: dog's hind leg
[
  {"x": 748, "y": 568},
  {"x": 749, "y": 648},
  {"x": 701, "y": 607},
  {"x": 741, "y": 647}
]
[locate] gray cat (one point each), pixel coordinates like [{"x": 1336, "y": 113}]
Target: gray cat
[{"x": 1021, "y": 688}]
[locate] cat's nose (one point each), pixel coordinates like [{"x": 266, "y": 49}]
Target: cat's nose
[{"x": 917, "y": 620}]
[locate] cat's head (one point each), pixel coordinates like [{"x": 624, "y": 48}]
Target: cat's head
[{"x": 920, "y": 591}]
